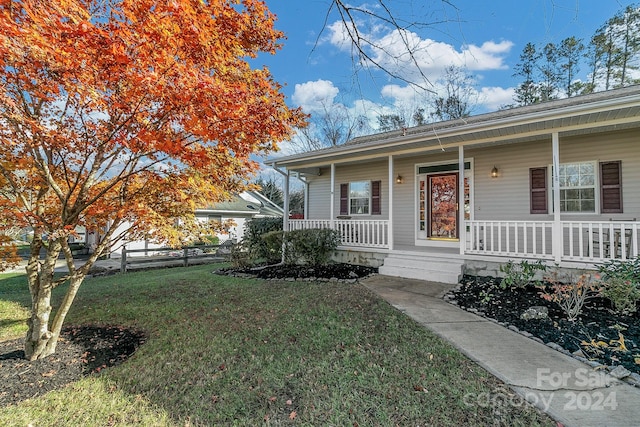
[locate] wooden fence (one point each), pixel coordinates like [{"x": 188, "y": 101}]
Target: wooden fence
[{"x": 172, "y": 257}]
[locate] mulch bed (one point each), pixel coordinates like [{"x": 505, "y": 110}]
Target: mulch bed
[
  {"x": 81, "y": 351},
  {"x": 597, "y": 321},
  {"x": 339, "y": 271}
]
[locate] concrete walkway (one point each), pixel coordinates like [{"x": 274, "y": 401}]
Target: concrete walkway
[{"x": 570, "y": 391}]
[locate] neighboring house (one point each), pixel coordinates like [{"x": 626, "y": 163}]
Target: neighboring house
[
  {"x": 557, "y": 181},
  {"x": 241, "y": 208}
]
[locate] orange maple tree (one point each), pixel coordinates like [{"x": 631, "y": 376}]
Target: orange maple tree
[{"x": 125, "y": 112}]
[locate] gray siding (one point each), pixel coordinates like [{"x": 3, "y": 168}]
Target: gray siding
[
  {"x": 320, "y": 188},
  {"x": 502, "y": 198},
  {"x": 507, "y": 197}
]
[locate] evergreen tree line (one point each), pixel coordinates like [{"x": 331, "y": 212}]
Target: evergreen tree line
[{"x": 612, "y": 56}]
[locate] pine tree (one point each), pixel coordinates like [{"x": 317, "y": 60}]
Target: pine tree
[{"x": 528, "y": 92}]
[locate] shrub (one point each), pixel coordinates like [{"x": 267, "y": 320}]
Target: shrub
[
  {"x": 519, "y": 275},
  {"x": 311, "y": 246},
  {"x": 616, "y": 268},
  {"x": 239, "y": 256},
  {"x": 570, "y": 295},
  {"x": 254, "y": 230},
  {"x": 623, "y": 294},
  {"x": 621, "y": 284},
  {"x": 272, "y": 247}
]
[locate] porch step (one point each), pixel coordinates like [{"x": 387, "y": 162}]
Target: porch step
[{"x": 423, "y": 267}]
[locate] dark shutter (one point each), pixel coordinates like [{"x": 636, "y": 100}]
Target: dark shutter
[
  {"x": 538, "y": 186},
  {"x": 344, "y": 199},
  {"x": 611, "y": 187},
  {"x": 376, "y": 205}
]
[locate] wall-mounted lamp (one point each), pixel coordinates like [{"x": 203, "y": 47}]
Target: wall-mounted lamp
[
  {"x": 494, "y": 172},
  {"x": 399, "y": 179}
]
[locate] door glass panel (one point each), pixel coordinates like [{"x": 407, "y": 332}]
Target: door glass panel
[
  {"x": 422, "y": 206},
  {"x": 443, "y": 206}
]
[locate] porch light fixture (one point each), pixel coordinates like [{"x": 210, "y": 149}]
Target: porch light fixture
[
  {"x": 399, "y": 179},
  {"x": 494, "y": 172}
]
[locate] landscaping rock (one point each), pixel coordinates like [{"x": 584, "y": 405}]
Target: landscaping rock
[
  {"x": 634, "y": 379},
  {"x": 620, "y": 372},
  {"x": 536, "y": 312}
]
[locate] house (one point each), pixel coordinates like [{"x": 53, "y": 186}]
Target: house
[
  {"x": 557, "y": 181},
  {"x": 241, "y": 208}
]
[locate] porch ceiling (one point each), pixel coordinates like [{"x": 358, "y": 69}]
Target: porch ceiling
[{"x": 602, "y": 112}]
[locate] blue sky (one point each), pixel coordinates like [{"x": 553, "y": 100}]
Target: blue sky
[{"x": 486, "y": 37}]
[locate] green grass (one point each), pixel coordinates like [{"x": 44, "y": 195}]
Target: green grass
[{"x": 226, "y": 351}]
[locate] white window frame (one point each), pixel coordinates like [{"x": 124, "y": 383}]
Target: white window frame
[
  {"x": 349, "y": 198},
  {"x": 596, "y": 188}
]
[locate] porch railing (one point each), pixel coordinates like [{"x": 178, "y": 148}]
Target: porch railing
[
  {"x": 600, "y": 240},
  {"x": 531, "y": 239},
  {"x": 353, "y": 232},
  {"x": 585, "y": 241}
]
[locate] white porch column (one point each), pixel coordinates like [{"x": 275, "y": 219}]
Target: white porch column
[
  {"x": 285, "y": 217},
  {"x": 462, "y": 226},
  {"x": 391, "y": 186},
  {"x": 332, "y": 195},
  {"x": 555, "y": 179},
  {"x": 306, "y": 198}
]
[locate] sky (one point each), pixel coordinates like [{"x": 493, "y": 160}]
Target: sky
[{"x": 317, "y": 69}]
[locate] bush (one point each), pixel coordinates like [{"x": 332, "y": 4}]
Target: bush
[
  {"x": 272, "y": 246},
  {"x": 312, "y": 246},
  {"x": 623, "y": 294},
  {"x": 616, "y": 268},
  {"x": 571, "y": 294},
  {"x": 518, "y": 275},
  {"x": 254, "y": 230},
  {"x": 621, "y": 284},
  {"x": 239, "y": 256},
  {"x": 209, "y": 240}
]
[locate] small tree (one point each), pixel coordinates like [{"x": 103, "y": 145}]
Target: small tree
[
  {"x": 120, "y": 112},
  {"x": 459, "y": 95}
]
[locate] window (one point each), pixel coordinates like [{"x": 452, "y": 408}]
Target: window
[
  {"x": 360, "y": 198},
  {"x": 577, "y": 187}
]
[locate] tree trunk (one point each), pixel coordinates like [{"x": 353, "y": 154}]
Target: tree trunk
[
  {"x": 40, "y": 342},
  {"x": 42, "y": 336}
]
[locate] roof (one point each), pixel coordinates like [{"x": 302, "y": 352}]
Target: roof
[
  {"x": 248, "y": 203},
  {"x": 614, "y": 109}
]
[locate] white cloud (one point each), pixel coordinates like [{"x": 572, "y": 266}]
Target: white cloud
[
  {"x": 432, "y": 57},
  {"x": 314, "y": 96},
  {"x": 489, "y": 56},
  {"x": 390, "y": 49},
  {"x": 400, "y": 94},
  {"x": 338, "y": 36},
  {"x": 495, "y": 97}
]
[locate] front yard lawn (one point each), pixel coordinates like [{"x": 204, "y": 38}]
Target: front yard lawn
[{"x": 228, "y": 351}]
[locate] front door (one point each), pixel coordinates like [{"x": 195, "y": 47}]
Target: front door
[{"x": 438, "y": 206}]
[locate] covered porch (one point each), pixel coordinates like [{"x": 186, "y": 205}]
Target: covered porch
[
  {"x": 537, "y": 182},
  {"x": 592, "y": 242}
]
